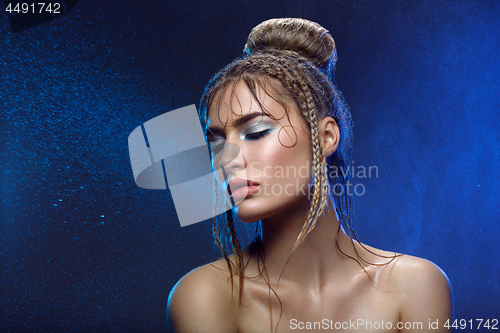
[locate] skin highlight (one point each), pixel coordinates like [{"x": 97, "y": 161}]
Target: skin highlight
[
  {"x": 268, "y": 150},
  {"x": 330, "y": 284},
  {"x": 282, "y": 111}
]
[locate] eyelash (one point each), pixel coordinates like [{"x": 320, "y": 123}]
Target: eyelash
[
  {"x": 256, "y": 135},
  {"x": 251, "y": 137}
]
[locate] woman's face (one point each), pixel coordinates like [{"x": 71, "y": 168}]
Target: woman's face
[{"x": 264, "y": 156}]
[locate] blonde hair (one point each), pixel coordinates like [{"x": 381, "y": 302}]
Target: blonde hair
[{"x": 292, "y": 59}]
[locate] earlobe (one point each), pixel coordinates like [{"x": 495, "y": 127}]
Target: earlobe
[{"x": 329, "y": 135}]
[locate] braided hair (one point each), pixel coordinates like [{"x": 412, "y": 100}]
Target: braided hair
[{"x": 291, "y": 60}]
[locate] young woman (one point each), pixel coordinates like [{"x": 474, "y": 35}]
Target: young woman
[{"x": 280, "y": 135}]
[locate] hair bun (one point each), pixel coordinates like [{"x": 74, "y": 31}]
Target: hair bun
[{"x": 309, "y": 39}]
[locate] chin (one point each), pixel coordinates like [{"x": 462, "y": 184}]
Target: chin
[
  {"x": 250, "y": 212},
  {"x": 260, "y": 208},
  {"x": 246, "y": 216}
]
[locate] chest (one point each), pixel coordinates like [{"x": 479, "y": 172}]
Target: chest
[{"x": 350, "y": 307}]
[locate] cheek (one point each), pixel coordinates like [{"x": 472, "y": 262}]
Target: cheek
[{"x": 279, "y": 163}]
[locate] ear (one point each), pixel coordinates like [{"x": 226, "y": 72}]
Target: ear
[{"x": 329, "y": 135}]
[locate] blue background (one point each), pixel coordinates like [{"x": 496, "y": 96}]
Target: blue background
[{"x": 83, "y": 249}]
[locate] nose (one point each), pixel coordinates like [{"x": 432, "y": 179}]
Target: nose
[{"x": 232, "y": 158}]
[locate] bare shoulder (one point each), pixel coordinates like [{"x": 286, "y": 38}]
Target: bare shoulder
[
  {"x": 425, "y": 291},
  {"x": 201, "y": 301},
  {"x": 422, "y": 289},
  {"x": 412, "y": 273},
  {"x": 405, "y": 272}
]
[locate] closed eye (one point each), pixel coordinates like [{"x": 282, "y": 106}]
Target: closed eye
[{"x": 256, "y": 135}]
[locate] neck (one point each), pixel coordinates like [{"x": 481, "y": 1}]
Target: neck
[{"x": 316, "y": 260}]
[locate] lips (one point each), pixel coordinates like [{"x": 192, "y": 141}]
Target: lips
[{"x": 241, "y": 188}]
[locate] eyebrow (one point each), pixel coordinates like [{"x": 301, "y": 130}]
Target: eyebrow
[{"x": 241, "y": 120}]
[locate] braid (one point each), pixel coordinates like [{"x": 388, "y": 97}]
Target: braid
[
  {"x": 216, "y": 235},
  {"x": 237, "y": 251},
  {"x": 315, "y": 97},
  {"x": 300, "y": 56},
  {"x": 294, "y": 80},
  {"x": 294, "y": 73}
]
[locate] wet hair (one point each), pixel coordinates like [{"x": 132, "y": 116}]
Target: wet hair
[{"x": 292, "y": 60}]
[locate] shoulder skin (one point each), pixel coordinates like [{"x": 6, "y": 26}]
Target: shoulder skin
[
  {"x": 425, "y": 292},
  {"x": 201, "y": 302}
]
